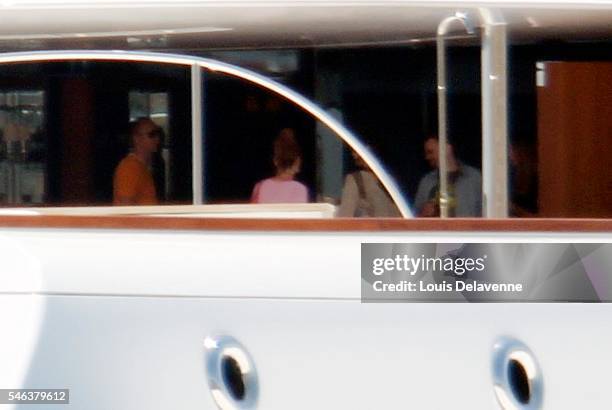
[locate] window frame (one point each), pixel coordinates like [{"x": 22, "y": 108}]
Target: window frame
[{"x": 199, "y": 66}]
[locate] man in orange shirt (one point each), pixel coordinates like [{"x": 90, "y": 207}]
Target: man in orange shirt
[{"x": 133, "y": 182}]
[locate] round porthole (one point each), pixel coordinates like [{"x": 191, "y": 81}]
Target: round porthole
[
  {"x": 232, "y": 377},
  {"x": 517, "y": 378}
]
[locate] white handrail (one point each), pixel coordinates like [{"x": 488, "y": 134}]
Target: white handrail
[{"x": 443, "y": 29}]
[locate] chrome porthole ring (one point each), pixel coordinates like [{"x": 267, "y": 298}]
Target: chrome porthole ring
[
  {"x": 517, "y": 378},
  {"x": 232, "y": 377}
]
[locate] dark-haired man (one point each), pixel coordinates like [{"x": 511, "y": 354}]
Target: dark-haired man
[{"x": 464, "y": 185}]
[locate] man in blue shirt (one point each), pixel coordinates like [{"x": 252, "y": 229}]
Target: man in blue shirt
[{"x": 464, "y": 185}]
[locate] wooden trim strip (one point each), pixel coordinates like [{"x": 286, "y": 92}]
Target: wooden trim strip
[{"x": 308, "y": 225}]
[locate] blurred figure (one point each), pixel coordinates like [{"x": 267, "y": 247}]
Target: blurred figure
[
  {"x": 364, "y": 196},
  {"x": 133, "y": 182},
  {"x": 282, "y": 188},
  {"x": 464, "y": 185}
]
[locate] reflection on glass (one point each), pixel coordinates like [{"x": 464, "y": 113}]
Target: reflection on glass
[
  {"x": 330, "y": 155},
  {"x": 22, "y": 147},
  {"x": 152, "y": 105}
]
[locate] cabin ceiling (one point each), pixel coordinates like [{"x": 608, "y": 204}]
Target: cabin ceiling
[{"x": 207, "y": 25}]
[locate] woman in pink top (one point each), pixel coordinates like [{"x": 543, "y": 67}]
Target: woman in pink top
[{"x": 282, "y": 188}]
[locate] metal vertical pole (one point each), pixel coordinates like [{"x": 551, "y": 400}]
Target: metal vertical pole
[
  {"x": 494, "y": 115},
  {"x": 443, "y": 28},
  {"x": 442, "y": 132},
  {"x": 197, "y": 166}
]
